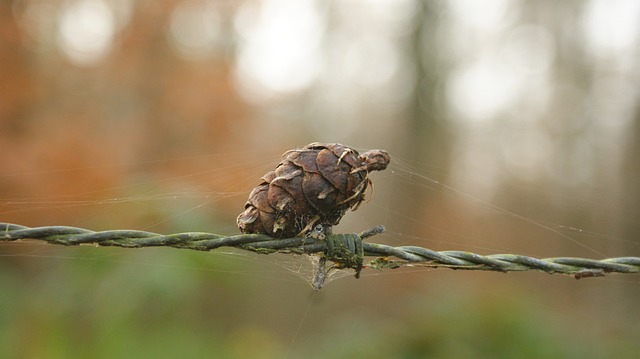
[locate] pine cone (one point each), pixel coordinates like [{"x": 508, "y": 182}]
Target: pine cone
[{"x": 313, "y": 185}]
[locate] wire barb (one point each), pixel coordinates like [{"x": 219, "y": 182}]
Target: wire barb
[{"x": 345, "y": 250}]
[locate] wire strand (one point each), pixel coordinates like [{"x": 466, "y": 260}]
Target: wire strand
[{"x": 344, "y": 250}]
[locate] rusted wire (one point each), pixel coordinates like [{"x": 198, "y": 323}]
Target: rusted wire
[{"x": 344, "y": 250}]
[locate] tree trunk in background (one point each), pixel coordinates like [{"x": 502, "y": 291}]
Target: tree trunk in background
[
  {"x": 428, "y": 140},
  {"x": 631, "y": 187},
  {"x": 17, "y": 87}
]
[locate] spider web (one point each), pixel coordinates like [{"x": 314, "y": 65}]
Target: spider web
[{"x": 407, "y": 200}]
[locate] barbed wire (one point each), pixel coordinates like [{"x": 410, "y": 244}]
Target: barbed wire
[{"x": 344, "y": 250}]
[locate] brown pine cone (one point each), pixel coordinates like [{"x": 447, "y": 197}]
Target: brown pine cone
[{"x": 310, "y": 186}]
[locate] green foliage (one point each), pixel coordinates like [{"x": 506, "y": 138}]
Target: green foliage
[
  {"x": 459, "y": 326},
  {"x": 83, "y": 302}
]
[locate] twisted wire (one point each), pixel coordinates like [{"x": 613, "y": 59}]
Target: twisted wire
[{"x": 345, "y": 250}]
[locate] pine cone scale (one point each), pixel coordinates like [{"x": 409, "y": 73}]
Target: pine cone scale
[
  {"x": 318, "y": 192},
  {"x": 305, "y": 159},
  {"x": 334, "y": 172},
  {"x": 278, "y": 198},
  {"x": 288, "y": 170}
]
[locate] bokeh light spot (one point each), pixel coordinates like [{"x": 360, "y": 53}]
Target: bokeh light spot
[
  {"x": 86, "y": 31},
  {"x": 481, "y": 90},
  {"x": 278, "y": 48},
  {"x": 194, "y": 29},
  {"x": 611, "y": 25}
]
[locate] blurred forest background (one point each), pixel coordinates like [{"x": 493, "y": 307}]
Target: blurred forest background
[{"x": 513, "y": 126}]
